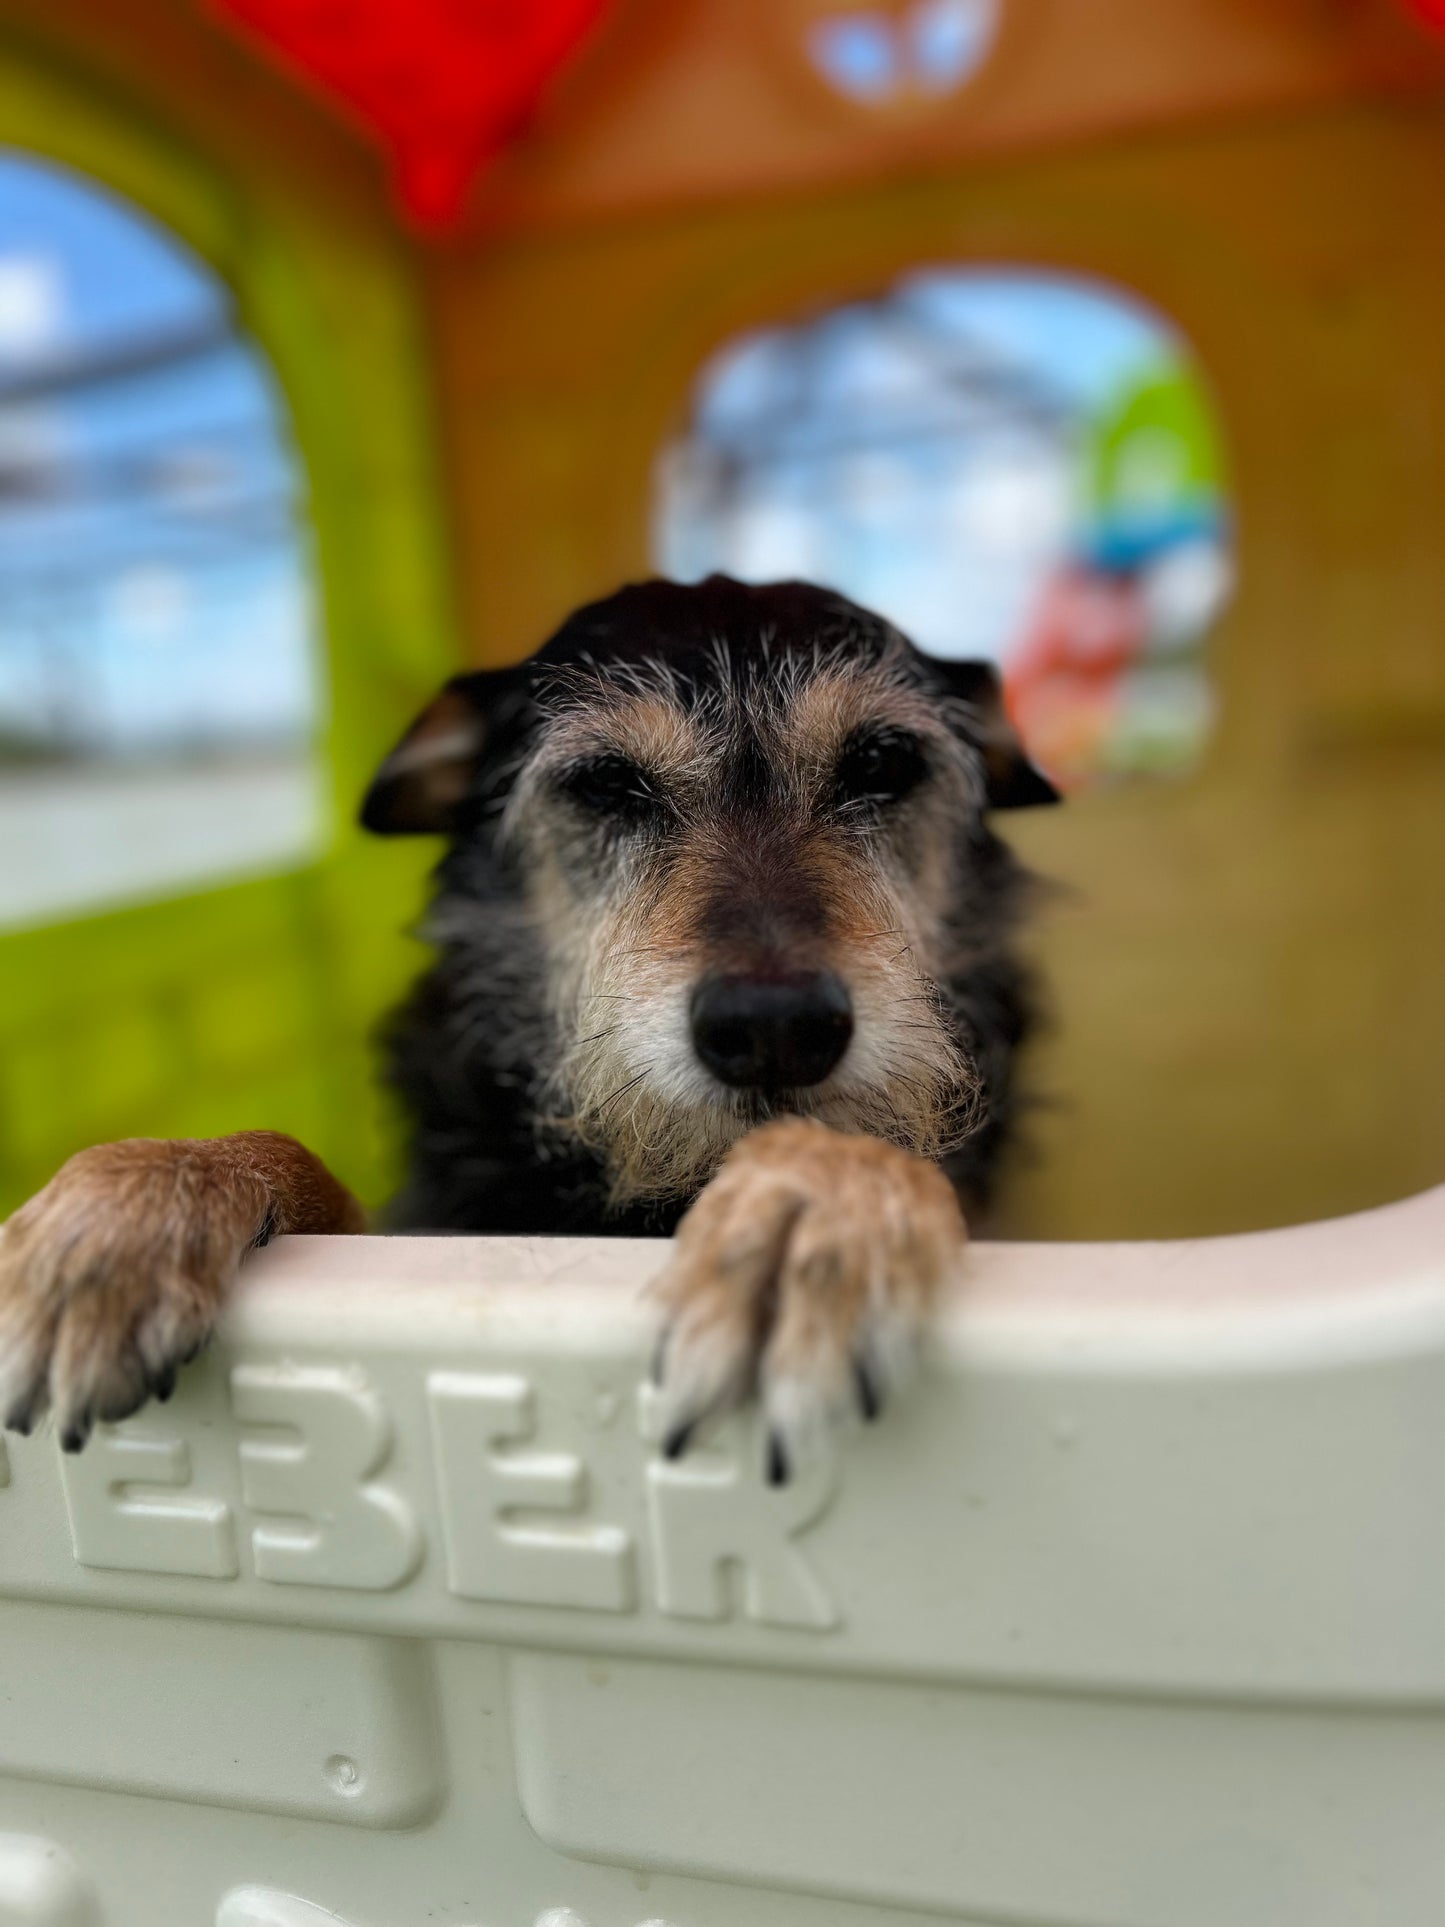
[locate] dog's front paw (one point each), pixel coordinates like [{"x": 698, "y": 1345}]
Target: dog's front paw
[
  {"x": 110, "y": 1279},
  {"x": 805, "y": 1272},
  {"x": 113, "y": 1276}
]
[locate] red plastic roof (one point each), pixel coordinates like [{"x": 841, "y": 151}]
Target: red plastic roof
[{"x": 442, "y": 83}]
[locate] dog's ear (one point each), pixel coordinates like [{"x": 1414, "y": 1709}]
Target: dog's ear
[
  {"x": 435, "y": 765},
  {"x": 1014, "y": 783}
]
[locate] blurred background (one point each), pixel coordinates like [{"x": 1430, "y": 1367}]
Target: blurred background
[{"x": 346, "y": 342}]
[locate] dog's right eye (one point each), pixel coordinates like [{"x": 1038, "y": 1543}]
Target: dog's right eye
[
  {"x": 879, "y": 767},
  {"x": 613, "y": 786}
]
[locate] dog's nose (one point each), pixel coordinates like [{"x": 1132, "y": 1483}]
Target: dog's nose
[{"x": 772, "y": 1033}]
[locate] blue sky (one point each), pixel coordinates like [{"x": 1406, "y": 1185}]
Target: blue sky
[
  {"x": 120, "y": 272},
  {"x": 1077, "y": 340},
  {"x": 922, "y": 454},
  {"x": 154, "y": 568},
  {"x": 1088, "y": 337}
]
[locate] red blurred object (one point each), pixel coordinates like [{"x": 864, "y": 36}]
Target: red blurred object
[
  {"x": 1432, "y": 12},
  {"x": 443, "y": 83},
  {"x": 1063, "y": 681}
]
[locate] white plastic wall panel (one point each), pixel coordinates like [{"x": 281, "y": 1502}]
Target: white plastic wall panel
[{"x": 1131, "y": 1614}]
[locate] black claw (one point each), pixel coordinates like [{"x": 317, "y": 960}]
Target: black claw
[
  {"x": 189, "y": 1357},
  {"x": 21, "y": 1416},
  {"x": 76, "y": 1433},
  {"x": 676, "y": 1442},
  {"x": 870, "y": 1393},
  {"x": 164, "y": 1382},
  {"x": 780, "y": 1469}
]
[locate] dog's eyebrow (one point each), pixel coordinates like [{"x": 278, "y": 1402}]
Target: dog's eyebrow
[
  {"x": 831, "y": 708},
  {"x": 658, "y": 734}
]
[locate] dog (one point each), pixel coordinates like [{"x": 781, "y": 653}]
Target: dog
[{"x": 724, "y": 947}]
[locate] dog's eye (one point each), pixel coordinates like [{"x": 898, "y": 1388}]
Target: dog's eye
[
  {"x": 881, "y": 767},
  {"x": 613, "y": 786}
]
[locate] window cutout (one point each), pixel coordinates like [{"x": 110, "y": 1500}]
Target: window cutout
[
  {"x": 159, "y": 688},
  {"x": 912, "y": 51},
  {"x": 1016, "y": 466}
]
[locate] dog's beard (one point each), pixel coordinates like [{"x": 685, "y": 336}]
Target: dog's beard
[{"x": 628, "y": 1086}]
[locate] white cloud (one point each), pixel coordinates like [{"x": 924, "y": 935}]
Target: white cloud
[{"x": 32, "y": 304}]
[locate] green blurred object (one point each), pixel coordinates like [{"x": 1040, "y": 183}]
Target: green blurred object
[{"x": 1152, "y": 466}]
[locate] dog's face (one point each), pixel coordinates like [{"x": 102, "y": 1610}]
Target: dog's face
[{"x": 743, "y": 829}]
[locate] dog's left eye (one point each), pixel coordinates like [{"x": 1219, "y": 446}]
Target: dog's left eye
[
  {"x": 882, "y": 767},
  {"x": 613, "y": 786}
]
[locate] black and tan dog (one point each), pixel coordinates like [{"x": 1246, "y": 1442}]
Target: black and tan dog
[{"x": 722, "y": 944}]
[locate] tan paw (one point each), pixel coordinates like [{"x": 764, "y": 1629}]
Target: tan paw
[
  {"x": 804, "y": 1273},
  {"x": 113, "y": 1276}
]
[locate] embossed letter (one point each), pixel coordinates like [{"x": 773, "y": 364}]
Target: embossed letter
[
  {"x": 144, "y": 1531},
  {"x": 708, "y": 1514},
  {"x": 490, "y": 1557},
  {"x": 349, "y": 1532}
]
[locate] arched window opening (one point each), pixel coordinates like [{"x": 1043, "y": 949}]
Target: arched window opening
[
  {"x": 159, "y": 676},
  {"x": 1018, "y": 466}
]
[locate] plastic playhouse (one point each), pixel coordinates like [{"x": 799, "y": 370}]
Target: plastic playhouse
[{"x": 1133, "y": 1617}]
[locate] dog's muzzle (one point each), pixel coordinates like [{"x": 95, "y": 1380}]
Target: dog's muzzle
[{"x": 772, "y": 1033}]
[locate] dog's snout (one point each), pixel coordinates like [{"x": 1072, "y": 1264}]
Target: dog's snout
[{"x": 772, "y": 1033}]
